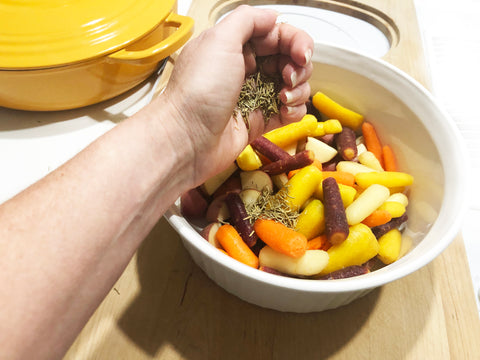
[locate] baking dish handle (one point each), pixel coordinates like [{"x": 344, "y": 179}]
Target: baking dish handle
[{"x": 161, "y": 50}]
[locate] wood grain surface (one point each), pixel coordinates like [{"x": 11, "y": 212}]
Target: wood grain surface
[{"x": 165, "y": 307}]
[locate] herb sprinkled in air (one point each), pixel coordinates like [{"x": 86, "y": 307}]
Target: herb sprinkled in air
[{"x": 259, "y": 91}]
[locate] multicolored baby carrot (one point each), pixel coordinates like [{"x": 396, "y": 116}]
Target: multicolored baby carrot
[
  {"x": 346, "y": 144},
  {"x": 281, "y": 238},
  {"x": 389, "y": 159},
  {"x": 234, "y": 245},
  {"x": 390, "y": 179},
  {"x": 377, "y": 217},
  {"x": 328, "y": 216},
  {"x": 302, "y": 186},
  {"x": 311, "y": 221},
  {"x": 290, "y": 133},
  {"x": 372, "y": 142},
  {"x": 319, "y": 243},
  {"x": 336, "y": 226},
  {"x": 333, "y": 110},
  {"x": 368, "y": 201}
]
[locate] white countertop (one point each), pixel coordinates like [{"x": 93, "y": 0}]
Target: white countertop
[{"x": 452, "y": 42}]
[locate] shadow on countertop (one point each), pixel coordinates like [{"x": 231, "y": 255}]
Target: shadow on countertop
[{"x": 180, "y": 307}]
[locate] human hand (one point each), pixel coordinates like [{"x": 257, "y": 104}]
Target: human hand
[{"x": 209, "y": 73}]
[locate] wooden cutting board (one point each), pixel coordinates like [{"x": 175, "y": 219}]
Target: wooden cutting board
[{"x": 165, "y": 307}]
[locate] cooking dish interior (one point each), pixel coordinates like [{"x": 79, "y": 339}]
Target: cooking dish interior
[{"x": 427, "y": 145}]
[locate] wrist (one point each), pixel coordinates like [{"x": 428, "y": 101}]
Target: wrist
[{"x": 171, "y": 147}]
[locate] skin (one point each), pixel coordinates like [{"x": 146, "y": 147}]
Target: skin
[{"x": 66, "y": 239}]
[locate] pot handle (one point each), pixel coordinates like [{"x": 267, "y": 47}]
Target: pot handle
[{"x": 163, "y": 49}]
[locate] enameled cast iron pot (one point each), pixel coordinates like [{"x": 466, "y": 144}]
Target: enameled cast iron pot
[{"x": 65, "y": 54}]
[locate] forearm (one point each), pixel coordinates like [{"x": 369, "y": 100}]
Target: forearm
[{"x": 66, "y": 239}]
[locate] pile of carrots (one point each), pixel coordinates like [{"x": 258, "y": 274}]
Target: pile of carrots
[{"x": 333, "y": 173}]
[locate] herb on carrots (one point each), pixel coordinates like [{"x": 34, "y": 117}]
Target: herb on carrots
[{"x": 272, "y": 207}]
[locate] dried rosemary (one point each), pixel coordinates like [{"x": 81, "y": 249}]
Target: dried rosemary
[
  {"x": 274, "y": 207},
  {"x": 259, "y": 91}
]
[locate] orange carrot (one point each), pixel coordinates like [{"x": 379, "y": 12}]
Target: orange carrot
[
  {"x": 319, "y": 243},
  {"x": 293, "y": 172},
  {"x": 372, "y": 142},
  {"x": 389, "y": 159},
  {"x": 233, "y": 244},
  {"x": 342, "y": 177},
  {"x": 377, "y": 217},
  {"x": 318, "y": 164},
  {"x": 280, "y": 237}
]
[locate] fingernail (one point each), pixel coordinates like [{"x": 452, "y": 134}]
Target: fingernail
[
  {"x": 290, "y": 109},
  {"x": 289, "y": 96},
  {"x": 293, "y": 79},
  {"x": 308, "y": 56}
]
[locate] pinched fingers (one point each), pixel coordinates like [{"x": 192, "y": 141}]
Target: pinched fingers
[
  {"x": 292, "y": 73},
  {"x": 287, "y": 40}
]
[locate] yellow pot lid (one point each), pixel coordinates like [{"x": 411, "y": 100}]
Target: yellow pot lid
[{"x": 48, "y": 33}]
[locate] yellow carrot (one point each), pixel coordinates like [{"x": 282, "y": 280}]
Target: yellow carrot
[
  {"x": 390, "y": 179},
  {"x": 360, "y": 246},
  {"x": 311, "y": 221},
  {"x": 395, "y": 208},
  {"x": 248, "y": 159},
  {"x": 293, "y": 132},
  {"x": 233, "y": 244},
  {"x": 319, "y": 130},
  {"x": 280, "y": 237},
  {"x": 332, "y": 126},
  {"x": 301, "y": 186},
  {"x": 390, "y": 246},
  {"x": 334, "y": 110}
]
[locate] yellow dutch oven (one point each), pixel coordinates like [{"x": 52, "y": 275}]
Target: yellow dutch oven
[{"x": 65, "y": 54}]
